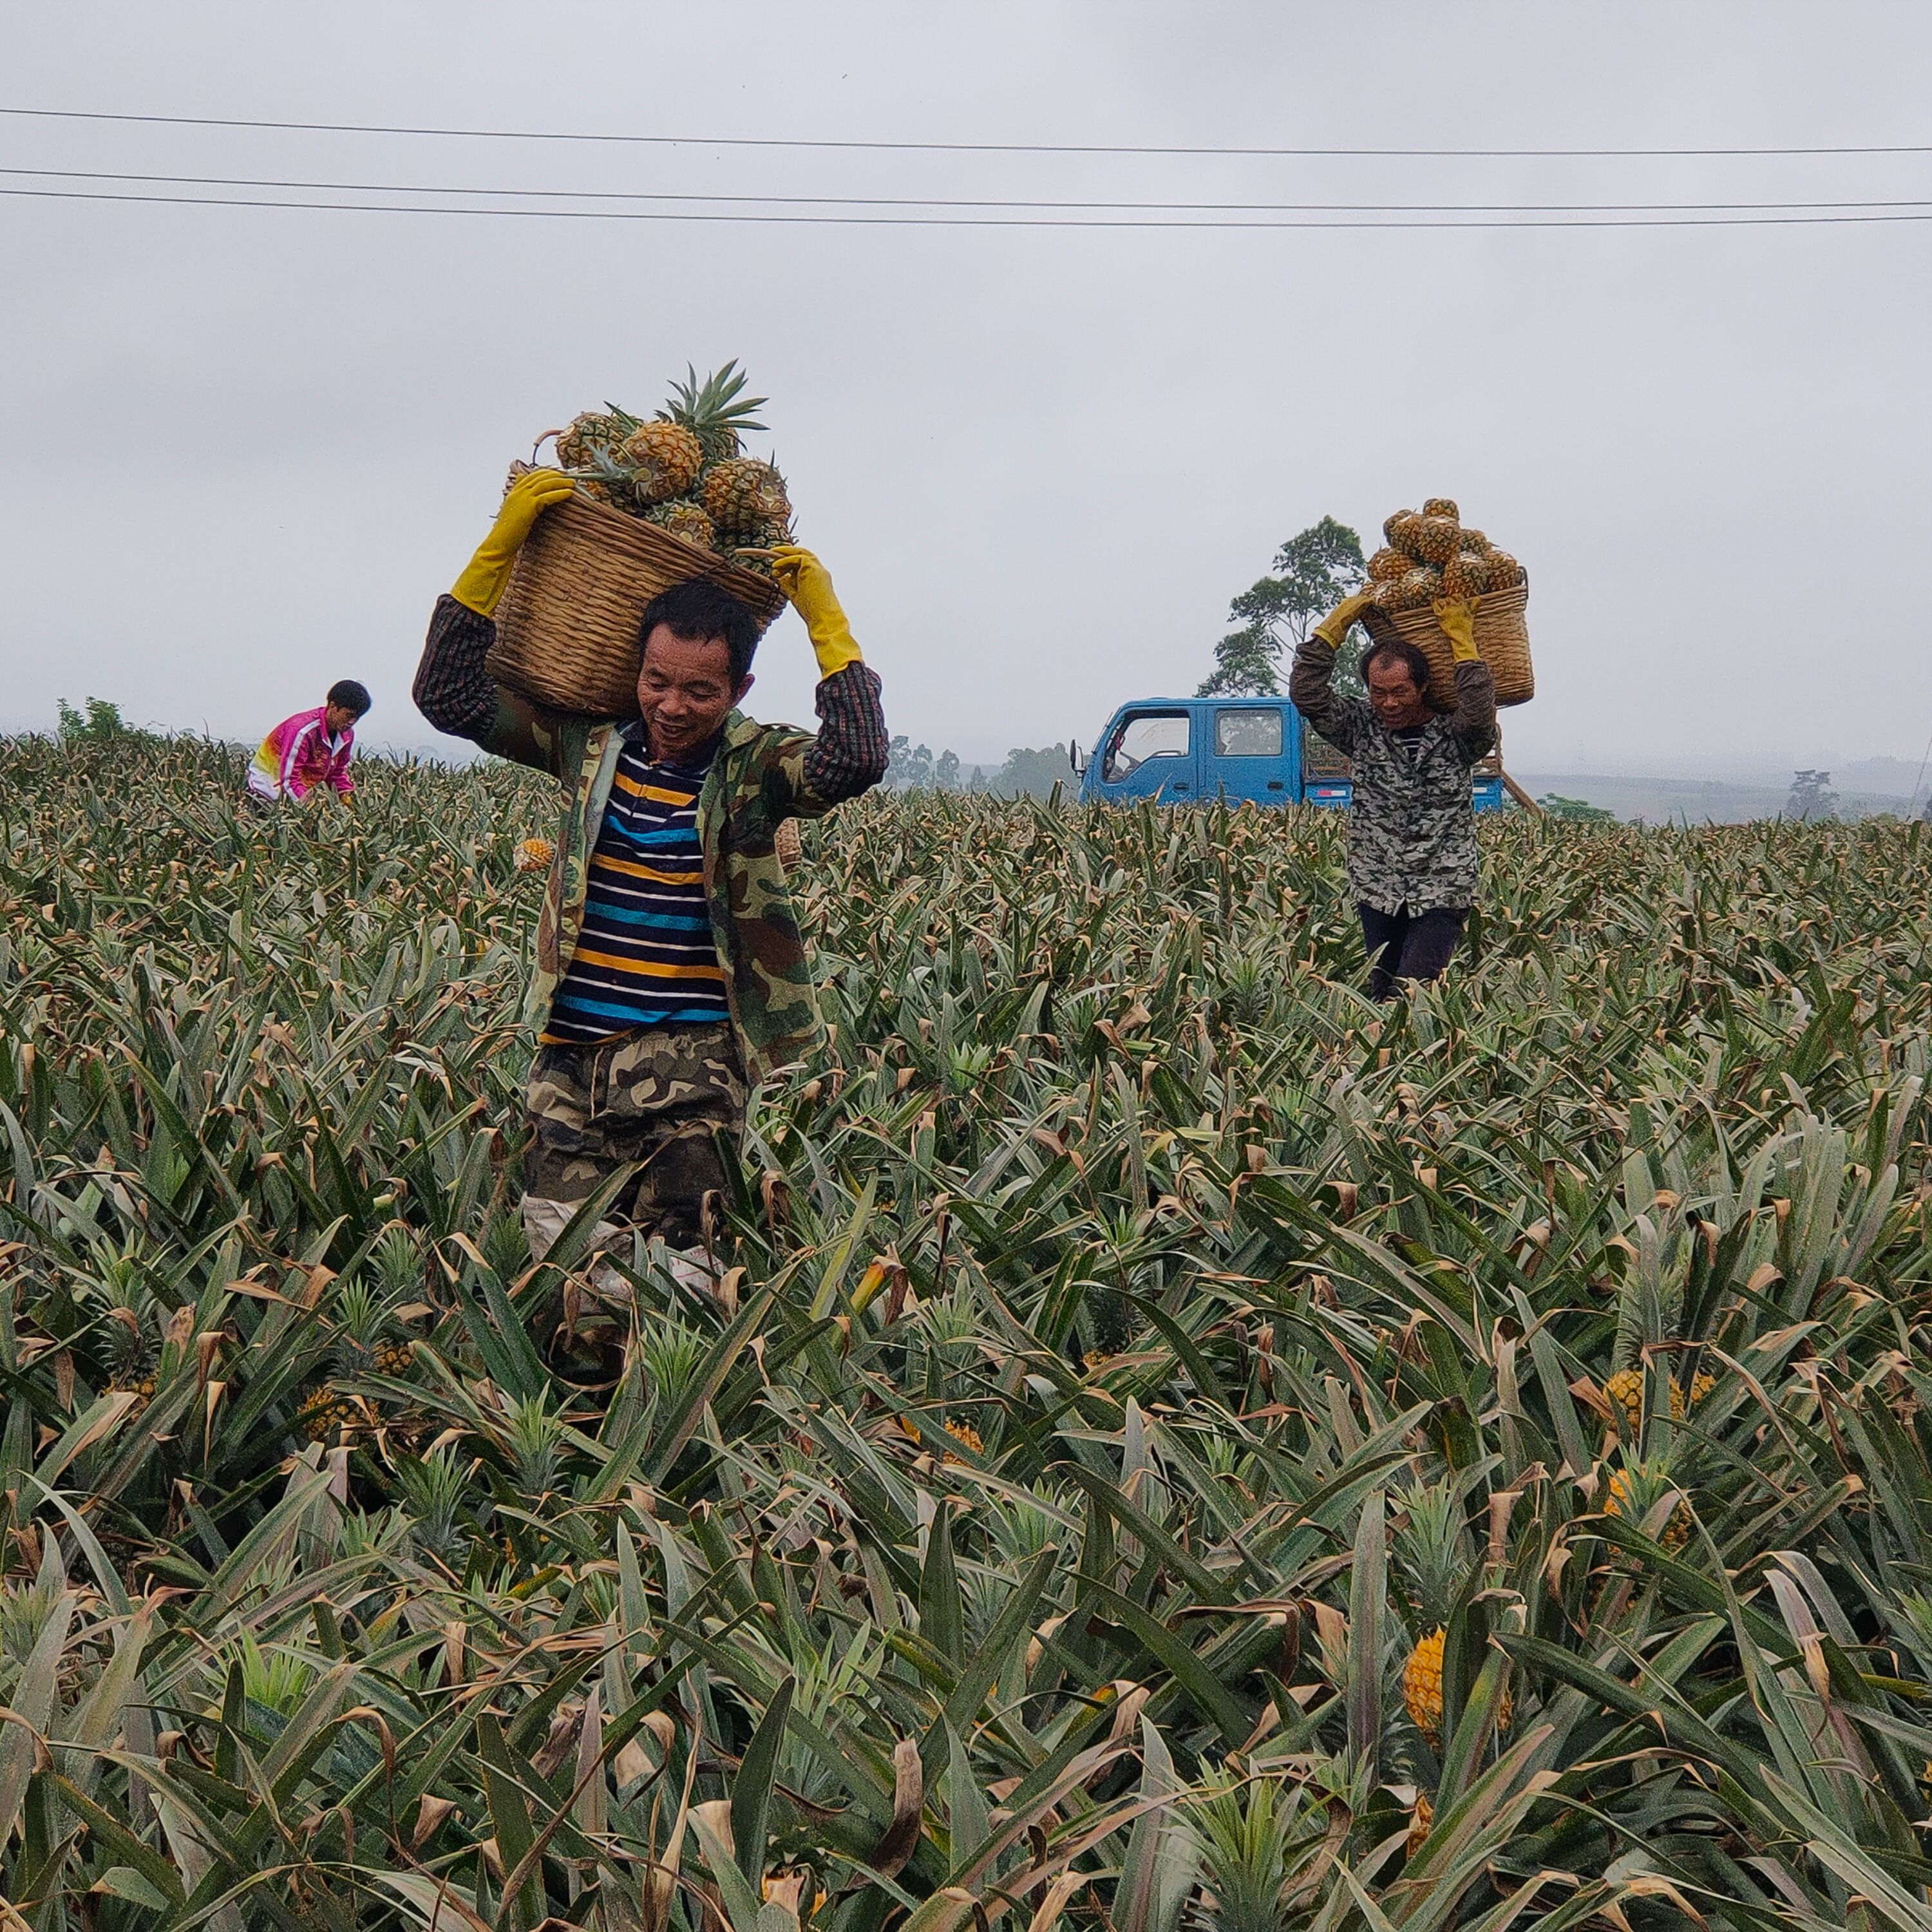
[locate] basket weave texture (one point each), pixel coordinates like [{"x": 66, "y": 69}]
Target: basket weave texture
[
  {"x": 1502, "y": 641},
  {"x": 567, "y": 626}
]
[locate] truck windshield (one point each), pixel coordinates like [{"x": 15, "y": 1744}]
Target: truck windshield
[{"x": 1149, "y": 734}]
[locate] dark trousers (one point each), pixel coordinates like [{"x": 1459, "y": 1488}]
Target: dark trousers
[{"x": 1409, "y": 945}]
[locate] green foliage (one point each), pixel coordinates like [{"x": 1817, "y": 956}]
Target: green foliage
[
  {"x": 328, "y": 1602},
  {"x": 1311, "y": 574},
  {"x": 1578, "y": 810},
  {"x": 101, "y": 722}
]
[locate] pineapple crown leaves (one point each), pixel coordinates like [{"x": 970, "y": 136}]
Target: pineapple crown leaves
[{"x": 714, "y": 404}]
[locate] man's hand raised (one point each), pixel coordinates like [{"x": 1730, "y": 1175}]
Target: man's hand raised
[
  {"x": 1333, "y": 628},
  {"x": 1457, "y": 617},
  {"x": 481, "y": 586},
  {"x": 807, "y": 583}
]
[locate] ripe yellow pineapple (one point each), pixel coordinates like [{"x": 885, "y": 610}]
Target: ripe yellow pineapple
[
  {"x": 1505, "y": 573},
  {"x": 1422, "y": 1687},
  {"x": 1422, "y": 1691},
  {"x": 1626, "y": 1389},
  {"x": 393, "y": 1358},
  {"x": 1421, "y": 1821},
  {"x": 1414, "y": 591},
  {"x": 1442, "y": 506},
  {"x": 666, "y": 457},
  {"x": 1386, "y": 566},
  {"x": 1465, "y": 575},
  {"x": 326, "y": 1415},
  {"x": 1633, "y": 1492},
  {"x": 1399, "y": 531},
  {"x": 534, "y": 855},
  {"x": 592, "y": 430},
  {"x": 715, "y": 411},
  {"x": 683, "y": 518},
  {"x": 746, "y": 499},
  {"x": 1437, "y": 539},
  {"x": 965, "y": 1434}
]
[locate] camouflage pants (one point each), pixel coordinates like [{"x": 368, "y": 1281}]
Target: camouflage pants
[{"x": 670, "y": 1097}]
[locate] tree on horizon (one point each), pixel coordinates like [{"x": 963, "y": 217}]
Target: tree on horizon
[{"x": 1311, "y": 574}]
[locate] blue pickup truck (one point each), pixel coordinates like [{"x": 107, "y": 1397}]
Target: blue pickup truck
[{"x": 1178, "y": 750}]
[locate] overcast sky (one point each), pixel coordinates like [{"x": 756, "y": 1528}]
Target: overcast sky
[{"x": 245, "y": 448}]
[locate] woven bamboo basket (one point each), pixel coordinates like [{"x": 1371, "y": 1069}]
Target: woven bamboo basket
[
  {"x": 567, "y": 627},
  {"x": 1502, "y": 640}
]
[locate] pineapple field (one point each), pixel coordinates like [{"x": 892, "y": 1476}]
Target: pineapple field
[{"x": 1188, "y": 1450}]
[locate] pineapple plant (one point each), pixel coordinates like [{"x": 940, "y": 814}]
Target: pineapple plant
[
  {"x": 1625, "y": 1388},
  {"x": 1422, "y": 1689},
  {"x": 1635, "y": 1491},
  {"x": 1421, "y": 1822},
  {"x": 327, "y": 1417}
]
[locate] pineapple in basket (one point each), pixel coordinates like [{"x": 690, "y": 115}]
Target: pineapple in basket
[
  {"x": 1437, "y": 539},
  {"x": 1465, "y": 575},
  {"x": 701, "y": 424},
  {"x": 1398, "y": 531},
  {"x": 1386, "y": 566},
  {"x": 595, "y": 432},
  {"x": 1415, "y": 590},
  {"x": 665, "y": 458},
  {"x": 716, "y": 411},
  {"x": 1441, "y": 506},
  {"x": 745, "y": 498},
  {"x": 1505, "y": 573},
  {"x": 685, "y": 518}
]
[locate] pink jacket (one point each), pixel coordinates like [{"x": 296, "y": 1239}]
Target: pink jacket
[{"x": 299, "y": 754}]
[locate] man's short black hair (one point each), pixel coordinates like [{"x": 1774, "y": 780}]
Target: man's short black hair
[
  {"x": 698, "y": 611},
  {"x": 349, "y": 695},
  {"x": 1403, "y": 653}
]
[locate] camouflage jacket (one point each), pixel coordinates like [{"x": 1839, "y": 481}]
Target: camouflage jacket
[
  {"x": 1411, "y": 826},
  {"x": 761, "y": 775}
]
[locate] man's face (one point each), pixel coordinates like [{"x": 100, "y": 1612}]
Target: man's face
[
  {"x": 1392, "y": 694},
  {"x": 338, "y": 718},
  {"x": 685, "y": 691}
]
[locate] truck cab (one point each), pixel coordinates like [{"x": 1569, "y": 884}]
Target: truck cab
[{"x": 1180, "y": 751}]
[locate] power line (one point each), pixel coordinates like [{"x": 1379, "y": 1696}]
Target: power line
[
  {"x": 960, "y": 147},
  {"x": 1766, "y": 220},
  {"x": 945, "y": 202}
]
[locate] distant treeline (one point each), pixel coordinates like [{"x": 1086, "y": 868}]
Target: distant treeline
[{"x": 1026, "y": 773}]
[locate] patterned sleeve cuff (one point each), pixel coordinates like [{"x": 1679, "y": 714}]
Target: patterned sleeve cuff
[
  {"x": 453, "y": 689},
  {"x": 850, "y": 754}
]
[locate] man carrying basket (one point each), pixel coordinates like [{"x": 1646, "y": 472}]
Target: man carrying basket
[
  {"x": 1412, "y": 859},
  {"x": 671, "y": 973}
]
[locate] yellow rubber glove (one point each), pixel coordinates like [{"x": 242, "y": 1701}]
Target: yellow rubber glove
[
  {"x": 809, "y": 584},
  {"x": 1333, "y": 628},
  {"x": 481, "y": 586},
  {"x": 1457, "y": 617}
]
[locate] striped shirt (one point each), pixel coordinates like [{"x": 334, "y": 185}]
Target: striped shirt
[{"x": 646, "y": 957}]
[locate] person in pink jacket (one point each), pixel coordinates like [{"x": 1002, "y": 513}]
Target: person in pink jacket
[{"x": 312, "y": 748}]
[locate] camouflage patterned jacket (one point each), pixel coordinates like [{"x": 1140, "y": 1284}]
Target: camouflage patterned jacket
[
  {"x": 1411, "y": 826},
  {"x": 762, "y": 775}
]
